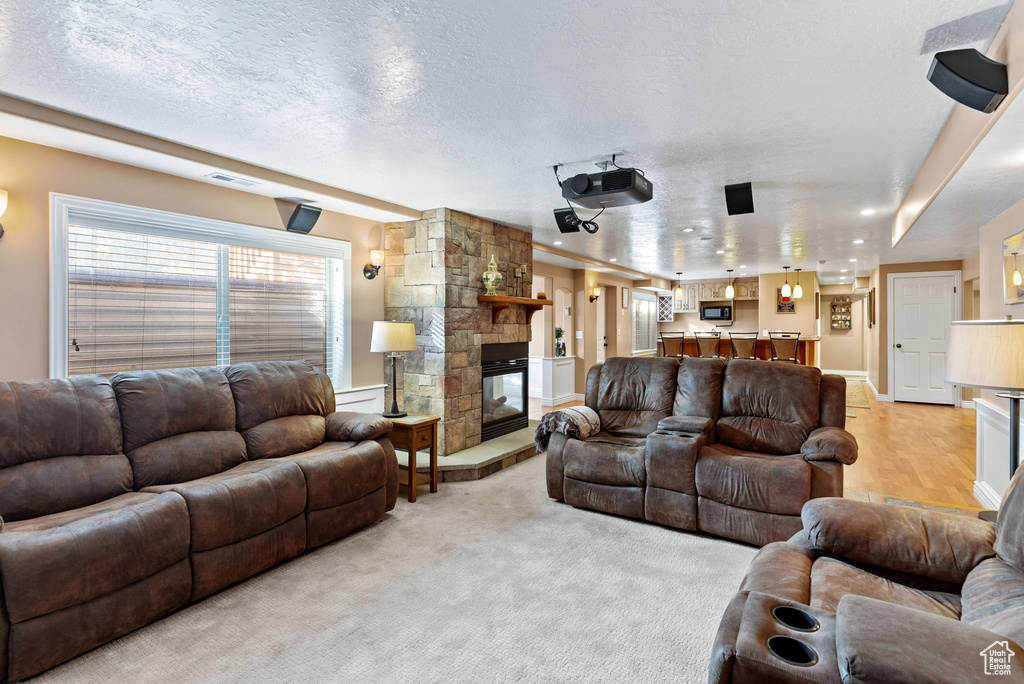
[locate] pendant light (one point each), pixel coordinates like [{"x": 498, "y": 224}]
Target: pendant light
[
  {"x": 730, "y": 291},
  {"x": 1017, "y": 280},
  {"x": 798, "y": 291},
  {"x": 679, "y": 286},
  {"x": 786, "y": 289}
]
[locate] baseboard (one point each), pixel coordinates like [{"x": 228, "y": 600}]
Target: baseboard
[
  {"x": 559, "y": 400},
  {"x": 986, "y": 495},
  {"x": 579, "y": 397},
  {"x": 535, "y": 394},
  {"x": 878, "y": 397},
  {"x": 858, "y": 374},
  {"x": 967, "y": 404},
  {"x": 368, "y": 399}
]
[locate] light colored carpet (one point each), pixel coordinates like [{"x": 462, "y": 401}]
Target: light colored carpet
[
  {"x": 856, "y": 397},
  {"x": 486, "y": 581}
]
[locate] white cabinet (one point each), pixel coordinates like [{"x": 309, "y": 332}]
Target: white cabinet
[{"x": 690, "y": 300}]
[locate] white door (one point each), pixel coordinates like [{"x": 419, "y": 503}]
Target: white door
[
  {"x": 601, "y": 337},
  {"x": 923, "y": 308}
]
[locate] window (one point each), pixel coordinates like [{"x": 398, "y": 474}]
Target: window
[
  {"x": 138, "y": 289},
  {"x": 645, "y": 323}
]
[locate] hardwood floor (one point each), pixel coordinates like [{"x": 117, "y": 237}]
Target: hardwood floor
[{"x": 914, "y": 452}]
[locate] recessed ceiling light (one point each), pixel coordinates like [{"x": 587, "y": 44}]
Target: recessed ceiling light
[
  {"x": 721, "y": 251},
  {"x": 858, "y": 242},
  {"x": 852, "y": 260},
  {"x": 842, "y": 280},
  {"x": 867, "y": 212},
  {"x": 743, "y": 265},
  {"x": 558, "y": 242},
  {"x": 743, "y": 274},
  {"x": 843, "y": 270},
  {"x": 611, "y": 260},
  {"x": 687, "y": 230}
]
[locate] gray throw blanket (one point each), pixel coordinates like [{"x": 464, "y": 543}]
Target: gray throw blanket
[{"x": 578, "y": 422}]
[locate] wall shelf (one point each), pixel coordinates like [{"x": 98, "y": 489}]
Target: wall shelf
[{"x": 500, "y": 302}]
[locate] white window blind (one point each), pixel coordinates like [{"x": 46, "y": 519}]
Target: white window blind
[
  {"x": 135, "y": 290},
  {"x": 645, "y": 323}
]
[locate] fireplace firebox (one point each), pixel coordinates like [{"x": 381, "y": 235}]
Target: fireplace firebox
[{"x": 505, "y": 381}]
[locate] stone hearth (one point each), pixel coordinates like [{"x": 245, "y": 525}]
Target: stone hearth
[{"x": 432, "y": 278}]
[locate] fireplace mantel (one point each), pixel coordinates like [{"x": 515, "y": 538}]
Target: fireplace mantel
[{"x": 500, "y": 302}]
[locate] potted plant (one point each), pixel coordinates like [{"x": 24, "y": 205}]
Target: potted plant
[{"x": 559, "y": 344}]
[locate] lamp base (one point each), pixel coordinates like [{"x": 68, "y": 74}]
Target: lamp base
[{"x": 400, "y": 414}]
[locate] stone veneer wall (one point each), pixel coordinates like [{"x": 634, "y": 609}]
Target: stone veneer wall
[{"x": 432, "y": 273}]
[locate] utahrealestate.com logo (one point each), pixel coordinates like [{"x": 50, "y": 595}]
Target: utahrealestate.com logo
[{"x": 997, "y": 658}]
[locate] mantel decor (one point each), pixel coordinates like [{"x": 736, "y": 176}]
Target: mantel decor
[
  {"x": 492, "y": 277},
  {"x": 499, "y": 303}
]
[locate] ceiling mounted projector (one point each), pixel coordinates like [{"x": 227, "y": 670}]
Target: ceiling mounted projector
[
  {"x": 970, "y": 78},
  {"x": 616, "y": 188}
]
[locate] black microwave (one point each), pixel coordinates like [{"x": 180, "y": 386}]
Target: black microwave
[{"x": 716, "y": 313}]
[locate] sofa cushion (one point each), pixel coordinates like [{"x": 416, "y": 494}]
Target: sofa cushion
[
  {"x": 60, "y": 446},
  {"x": 993, "y": 598},
  {"x": 768, "y": 407},
  {"x": 179, "y": 424},
  {"x": 65, "y": 559},
  {"x": 240, "y": 503},
  {"x": 605, "y": 459},
  {"x": 339, "y": 472},
  {"x": 699, "y": 388},
  {"x": 268, "y": 392},
  {"x": 831, "y": 580},
  {"x": 772, "y": 484},
  {"x": 632, "y": 395}
]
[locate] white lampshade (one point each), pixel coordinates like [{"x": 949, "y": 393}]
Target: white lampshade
[
  {"x": 392, "y": 336},
  {"x": 786, "y": 290},
  {"x": 3, "y": 202},
  {"x": 798, "y": 291},
  {"x": 679, "y": 292},
  {"x": 730, "y": 291},
  {"x": 986, "y": 354},
  {"x": 377, "y": 257}
]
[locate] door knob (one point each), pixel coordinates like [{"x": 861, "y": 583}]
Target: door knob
[{"x": 899, "y": 346}]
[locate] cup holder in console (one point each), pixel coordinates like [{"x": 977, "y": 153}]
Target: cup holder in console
[
  {"x": 791, "y": 651},
  {"x": 795, "y": 619}
]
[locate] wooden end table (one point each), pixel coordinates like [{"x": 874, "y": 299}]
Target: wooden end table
[{"x": 412, "y": 433}]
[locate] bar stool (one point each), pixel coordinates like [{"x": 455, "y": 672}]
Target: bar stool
[
  {"x": 708, "y": 344},
  {"x": 744, "y": 345},
  {"x": 784, "y": 346},
  {"x": 672, "y": 344}
]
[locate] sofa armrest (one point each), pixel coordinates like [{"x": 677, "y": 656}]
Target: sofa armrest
[
  {"x": 691, "y": 425},
  {"x": 830, "y": 444},
  {"x": 877, "y": 641},
  {"x": 670, "y": 459},
  {"x": 343, "y": 426},
  {"x": 899, "y": 538}
]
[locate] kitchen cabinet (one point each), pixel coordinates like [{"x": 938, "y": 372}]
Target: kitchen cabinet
[{"x": 690, "y": 301}]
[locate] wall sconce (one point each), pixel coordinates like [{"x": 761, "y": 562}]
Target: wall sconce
[
  {"x": 371, "y": 269},
  {"x": 597, "y": 292},
  {"x": 3, "y": 208}
]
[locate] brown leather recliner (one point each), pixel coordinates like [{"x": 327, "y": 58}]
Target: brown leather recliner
[
  {"x": 733, "y": 448},
  {"x": 896, "y": 594},
  {"x": 238, "y": 469}
]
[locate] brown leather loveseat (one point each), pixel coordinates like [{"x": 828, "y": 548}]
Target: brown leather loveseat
[
  {"x": 874, "y": 592},
  {"x": 124, "y": 500},
  {"x": 733, "y": 448}
]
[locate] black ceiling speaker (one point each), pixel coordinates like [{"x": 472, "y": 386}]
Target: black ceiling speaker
[
  {"x": 303, "y": 218},
  {"x": 739, "y": 199},
  {"x": 970, "y": 78}
]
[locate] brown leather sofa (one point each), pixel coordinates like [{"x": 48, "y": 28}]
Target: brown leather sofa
[
  {"x": 125, "y": 500},
  {"x": 733, "y": 448},
  {"x": 881, "y": 593}
]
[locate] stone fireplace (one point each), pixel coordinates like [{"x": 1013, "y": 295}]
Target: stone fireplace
[{"x": 432, "y": 271}]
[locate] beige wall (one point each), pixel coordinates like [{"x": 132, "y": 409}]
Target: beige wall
[
  {"x": 843, "y": 349},
  {"x": 31, "y": 172},
  {"x": 556, "y": 278},
  {"x": 803, "y": 321},
  {"x": 878, "y": 339}
]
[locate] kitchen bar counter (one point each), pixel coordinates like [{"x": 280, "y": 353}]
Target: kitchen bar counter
[{"x": 807, "y": 351}]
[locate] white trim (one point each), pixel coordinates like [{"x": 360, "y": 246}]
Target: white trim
[
  {"x": 579, "y": 397},
  {"x": 967, "y": 404},
  {"x": 986, "y": 495},
  {"x": 367, "y": 399},
  {"x": 890, "y": 317},
  {"x": 859, "y": 374},
  {"x": 992, "y": 466},
  {"x": 878, "y": 397},
  {"x": 64, "y": 209}
]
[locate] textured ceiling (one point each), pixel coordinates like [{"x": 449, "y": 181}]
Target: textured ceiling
[{"x": 824, "y": 106}]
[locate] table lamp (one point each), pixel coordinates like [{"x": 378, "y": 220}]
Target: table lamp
[
  {"x": 393, "y": 337},
  {"x": 990, "y": 355}
]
